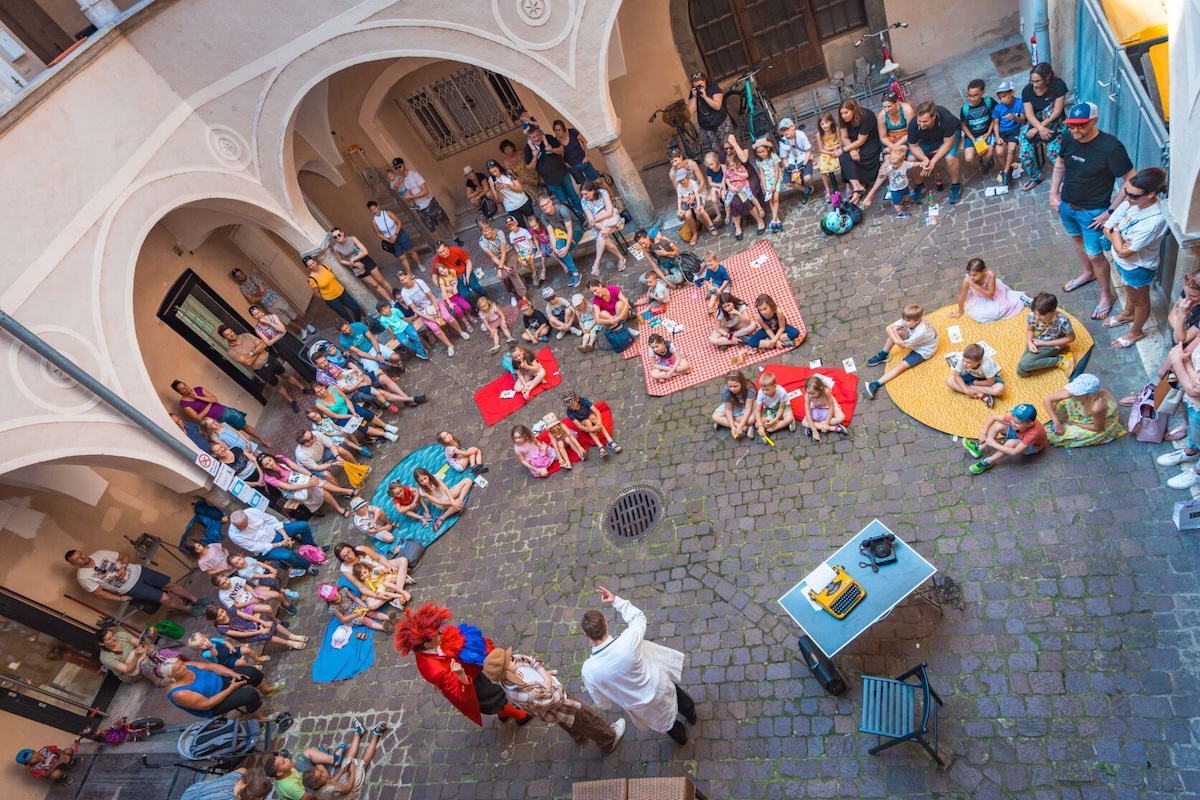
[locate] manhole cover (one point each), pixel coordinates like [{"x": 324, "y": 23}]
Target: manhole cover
[{"x": 633, "y": 514}]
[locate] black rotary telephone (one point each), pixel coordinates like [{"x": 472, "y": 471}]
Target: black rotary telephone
[{"x": 878, "y": 551}]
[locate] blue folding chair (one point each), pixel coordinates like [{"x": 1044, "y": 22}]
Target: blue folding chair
[{"x": 890, "y": 711}]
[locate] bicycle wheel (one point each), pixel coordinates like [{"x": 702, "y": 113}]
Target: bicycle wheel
[{"x": 689, "y": 139}]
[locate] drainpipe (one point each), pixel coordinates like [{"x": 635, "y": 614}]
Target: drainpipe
[
  {"x": 101, "y": 13},
  {"x": 43, "y": 348},
  {"x": 1041, "y": 30}
]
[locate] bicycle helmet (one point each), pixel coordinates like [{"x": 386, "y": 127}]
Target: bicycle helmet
[
  {"x": 836, "y": 223},
  {"x": 24, "y": 756}
]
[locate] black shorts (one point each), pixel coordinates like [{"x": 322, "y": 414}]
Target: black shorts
[
  {"x": 269, "y": 372},
  {"x": 1012, "y": 137},
  {"x": 362, "y": 268},
  {"x": 149, "y": 586}
]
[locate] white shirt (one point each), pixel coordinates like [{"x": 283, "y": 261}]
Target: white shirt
[
  {"x": 412, "y": 183},
  {"x": 617, "y": 673},
  {"x": 236, "y": 594},
  {"x": 384, "y": 224},
  {"x": 1143, "y": 229},
  {"x": 416, "y": 296},
  {"x": 922, "y": 339},
  {"x": 260, "y": 533},
  {"x": 104, "y": 574},
  {"x": 795, "y": 150}
]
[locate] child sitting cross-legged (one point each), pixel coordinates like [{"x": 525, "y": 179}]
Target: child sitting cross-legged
[
  {"x": 1014, "y": 434},
  {"x": 409, "y": 503},
  {"x": 537, "y": 327},
  {"x": 534, "y": 454},
  {"x": 975, "y": 374},
  {"x": 668, "y": 361},
  {"x": 1048, "y": 333},
  {"x": 773, "y": 410},
  {"x": 586, "y": 417},
  {"x": 822, "y": 412},
  {"x": 910, "y": 331}
]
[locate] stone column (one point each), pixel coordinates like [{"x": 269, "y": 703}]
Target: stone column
[
  {"x": 357, "y": 289},
  {"x": 101, "y": 13},
  {"x": 628, "y": 182}
]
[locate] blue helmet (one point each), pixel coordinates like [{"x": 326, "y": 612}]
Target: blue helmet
[
  {"x": 24, "y": 756},
  {"x": 836, "y": 222}
]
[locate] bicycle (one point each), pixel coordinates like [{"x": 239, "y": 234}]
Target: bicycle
[
  {"x": 687, "y": 136},
  {"x": 120, "y": 731},
  {"x": 752, "y": 110}
]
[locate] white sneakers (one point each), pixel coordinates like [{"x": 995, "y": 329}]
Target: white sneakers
[
  {"x": 465, "y": 336},
  {"x": 1184, "y": 480},
  {"x": 1176, "y": 457},
  {"x": 619, "y": 730},
  {"x": 450, "y": 351},
  {"x": 560, "y": 334}
]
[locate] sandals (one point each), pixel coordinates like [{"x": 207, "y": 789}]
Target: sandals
[
  {"x": 714, "y": 232},
  {"x": 1101, "y": 312},
  {"x": 1027, "y": 185},
  {"x": 616, "y": 448},
  {"x": 296, "y": 644},
  {"x": 1077, "y": 283},
  {"x": 1116, "y": 322},
  {"x": 1123, "y": 342}
]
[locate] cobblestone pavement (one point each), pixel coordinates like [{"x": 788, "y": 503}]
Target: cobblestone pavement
[{"x": 1069, "y": 672}]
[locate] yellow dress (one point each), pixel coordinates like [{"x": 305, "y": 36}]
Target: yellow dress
[{"x": 827, "y": 163}]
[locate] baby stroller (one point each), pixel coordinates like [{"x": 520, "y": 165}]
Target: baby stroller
[{"x": 218, "y": 745}]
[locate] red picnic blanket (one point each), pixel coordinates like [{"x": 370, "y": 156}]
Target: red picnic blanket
[{"x": 494, "y": 408}]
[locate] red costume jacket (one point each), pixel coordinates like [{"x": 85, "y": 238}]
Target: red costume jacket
[{"x": 436, "y": 669}]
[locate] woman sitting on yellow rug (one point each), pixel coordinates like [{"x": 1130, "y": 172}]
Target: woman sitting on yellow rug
[{"x": 1091, "y": 414}]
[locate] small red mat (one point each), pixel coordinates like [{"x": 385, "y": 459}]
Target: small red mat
[
  {"x": 689, "y": 307},
  {"x": 495, "y": 408},
  {"x": 845, "y": 386},
  {"x": 585, "y": 439}
]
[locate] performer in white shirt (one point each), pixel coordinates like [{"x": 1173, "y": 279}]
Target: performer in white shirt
[{"x": 638, "y": 676}]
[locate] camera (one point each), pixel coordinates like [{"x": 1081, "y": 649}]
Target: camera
[{"x": 879, "y": 551}]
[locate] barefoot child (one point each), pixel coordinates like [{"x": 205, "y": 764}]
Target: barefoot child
[
  {"x": 587, "y": 323},
  {"x": 565, "y": 442},
  {"x": 1015, "y": 434},
  {"x": 536, "y": 456},
  {"x": 895, "y": 172},
  {"x": 657, "y": 293},
  {"x": 975, "y": 375},
  {"x": 586, "y": 417},
  {"x": 350, "y": 610},
  {"x": 822, "y": 413},
  {"x": 461, "y": 459},
  {"x": 494, "y": 322},
  {"x": 772, "y": 410},
  {"x": 984, "y": 297},
  {"x": 1048, "y": 333},
  {"x": 409, "y": 503},
  {"x": 383, "y": 584},
  {"x": 668, "y": 361},
  {"x": 910, "y": 331}
]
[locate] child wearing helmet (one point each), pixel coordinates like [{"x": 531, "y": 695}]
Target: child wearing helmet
[{"x": 48, "y": 763}]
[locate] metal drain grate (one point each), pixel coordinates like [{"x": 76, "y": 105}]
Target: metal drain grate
[{"x": 634, "y": 514}]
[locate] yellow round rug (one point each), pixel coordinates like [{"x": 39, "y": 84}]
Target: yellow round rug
[{"x": 922, "y": 393}]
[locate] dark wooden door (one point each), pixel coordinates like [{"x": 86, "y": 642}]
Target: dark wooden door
[{"x": 737, "y": 35}]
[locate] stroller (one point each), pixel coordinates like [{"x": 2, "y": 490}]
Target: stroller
[{"x": 216, "y": 746}]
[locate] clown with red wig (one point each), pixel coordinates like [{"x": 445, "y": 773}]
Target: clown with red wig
[{"x": 451, "y": 658}]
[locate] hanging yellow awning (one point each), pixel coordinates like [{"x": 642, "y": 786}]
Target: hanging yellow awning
[
  {"x": 1159, "y": 62},
  {"x": 1135, "y": 21}
]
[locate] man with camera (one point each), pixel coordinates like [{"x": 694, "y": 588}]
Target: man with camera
[{"x": 707, "y": 103}]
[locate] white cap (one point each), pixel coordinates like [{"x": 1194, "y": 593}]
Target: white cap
[{"x": 468, "y": 170}]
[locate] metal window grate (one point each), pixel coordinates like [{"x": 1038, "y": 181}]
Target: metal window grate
[
  {"x": 633, "y": 514},
  {"x": 462, "y": 109}
]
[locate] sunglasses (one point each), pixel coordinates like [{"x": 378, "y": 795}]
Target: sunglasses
[
  {"x": 1077, "y": 126},
  {"x": 1134, "y": 195}
]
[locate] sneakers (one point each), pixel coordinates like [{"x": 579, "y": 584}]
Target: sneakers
[
  {"x": 494, "y": 350},
  {"x": 576, "y": 332},
  {"x": 575, "y": 279},
  {"x": 560, "y": 334},
  {"x": 989, "y": 401},
  {"x": 296, "y": 572},
  {"x": 983, "y": 465},
  {"x": 903, "y": 215},
  {"x": 619, "y": 731},
  {"x": 450, "y": 351},
  {"x": 364, "y": 452},
  {"x": 917, "y": 194},
  {"x": 314, "y": 570},
  {"x": 955, "y": 193},
  {"x": 1184, "y": 480},
  {"x": 872, "y": 389},
  {"x": 290, "y": 595},
  {"x": 972, "y": 447},
  {"x": 465, "y": 336},
  {"x": 1176, "y": 457},
  {"x": 304, "y": 335},
  {"x": 879, "y": 358}
]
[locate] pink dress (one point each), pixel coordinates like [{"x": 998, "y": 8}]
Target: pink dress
[{"x": 1003, "y": 304}]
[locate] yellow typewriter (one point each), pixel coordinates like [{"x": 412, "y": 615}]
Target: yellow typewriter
[{"x": 841, "y": 595}]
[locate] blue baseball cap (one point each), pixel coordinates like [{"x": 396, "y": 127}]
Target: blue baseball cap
[
  {"x": 1082, "y": 113},
  {"x": 1025, "y": 412}
]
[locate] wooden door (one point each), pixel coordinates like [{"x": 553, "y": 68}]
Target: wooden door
[{"x": 736, "y": 35}]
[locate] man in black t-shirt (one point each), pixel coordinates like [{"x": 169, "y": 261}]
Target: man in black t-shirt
[
  {"x": 545, "y": 155},
  {"x": 706, "y": 102},
  {"x": 934, "y": 136},
  {"x": 1089, "y": 164}
]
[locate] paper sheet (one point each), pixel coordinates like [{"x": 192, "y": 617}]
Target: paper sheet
[{"x": 817, "y": 580}]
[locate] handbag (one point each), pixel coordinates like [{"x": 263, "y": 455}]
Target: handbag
[
  {"x": 296, "y": 494},
  {"x": 1146, "y": 424},
  {"x": 1170, "y": 401},
  {"x": 311, "y": 554},
  {"x": 389, "y": 247},
  {"x": 618, "y": 338}
]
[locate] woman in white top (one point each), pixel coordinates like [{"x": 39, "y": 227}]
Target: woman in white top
[
  {"x": 1136, "y": 229},
  {"x": 508, "y": 192},
  {"x": 392, "y": 237},
  {"x": 604, "y": 219}
]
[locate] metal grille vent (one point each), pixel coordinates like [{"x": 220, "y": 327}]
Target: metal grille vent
[{"x": 633, "y": 514}]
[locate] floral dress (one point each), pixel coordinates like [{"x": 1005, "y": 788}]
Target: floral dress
[{"x": 1075, "y": 435}]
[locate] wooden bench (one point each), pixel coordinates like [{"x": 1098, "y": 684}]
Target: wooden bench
[{"x": 637, "y": 789}]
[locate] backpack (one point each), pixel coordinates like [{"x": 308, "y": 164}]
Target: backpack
[
  {"x": 691, "y": 266},
  {"x": 313, "y": 555}
]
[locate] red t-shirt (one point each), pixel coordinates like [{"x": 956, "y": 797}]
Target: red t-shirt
[
  {"x": 49, "y": 757},
  {"x": 1034, "y": 436},
  {"x": 456, "y": 260}
]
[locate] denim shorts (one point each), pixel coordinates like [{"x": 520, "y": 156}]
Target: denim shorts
[
  {"x": 1136, "y": 278},
  {"x": 1029, "y": 450},
  {"x": 929, "y": 150},
  {"x": 897, "y": 196},
  {"x": 1076, "y": 223},
  {"x": 914, "y": 358}
]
